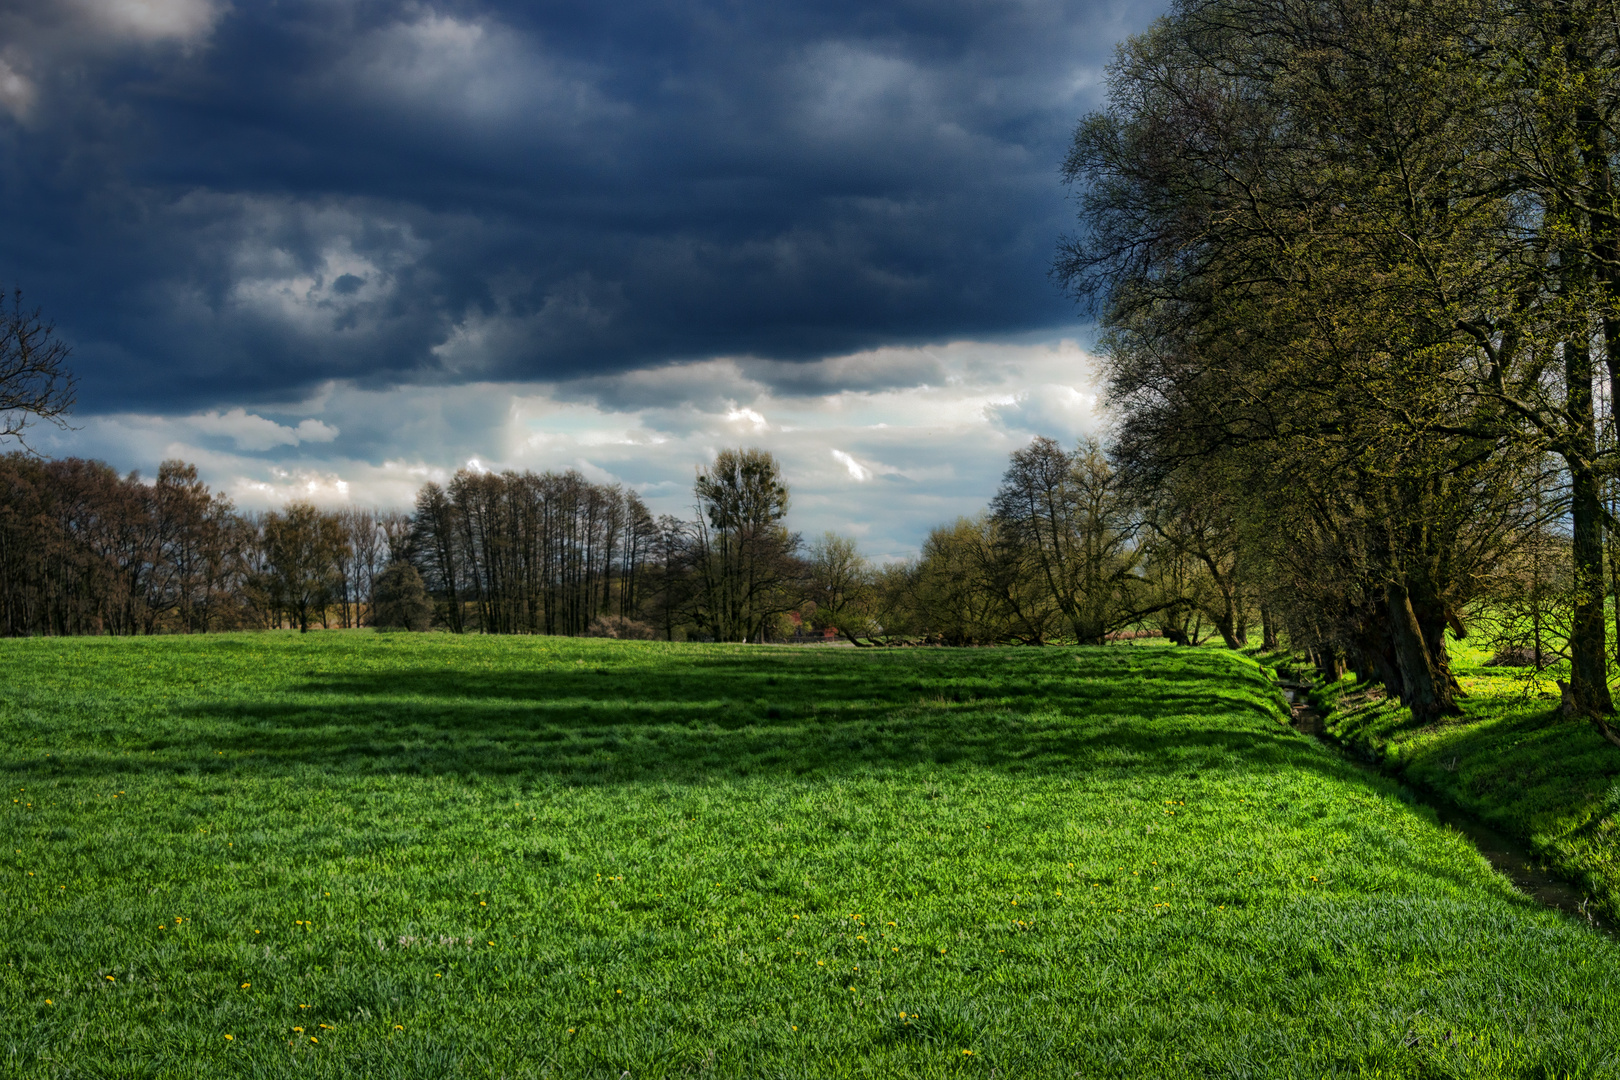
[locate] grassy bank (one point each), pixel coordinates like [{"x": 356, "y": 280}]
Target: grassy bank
[
  {"x": 1510, "y": 760},
  {"x": 349, "y": 854}
]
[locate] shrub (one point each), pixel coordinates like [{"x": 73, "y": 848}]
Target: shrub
[{"x": 617, "y": 626}]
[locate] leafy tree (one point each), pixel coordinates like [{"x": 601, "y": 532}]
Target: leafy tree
[
  {"x": 400, "y": 599},
  {"x": 966, "y": 591},
  {"x": 745, "y": 557},
  {"x": 1293, "y": 225},
  {"x": 1067, "y": 520},
  {"x": 841, "y": 583}
]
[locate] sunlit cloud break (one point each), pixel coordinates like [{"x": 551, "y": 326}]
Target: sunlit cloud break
[{"x": 921, "y": 436}]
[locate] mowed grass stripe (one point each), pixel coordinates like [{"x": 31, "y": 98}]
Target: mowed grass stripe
[{"x": 547, "y": 857}]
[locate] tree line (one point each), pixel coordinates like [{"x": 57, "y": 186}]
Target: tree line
[
  {"x": 86, "y": 550},
  {"x": 1064, "y": 552},
  {"x": 1357, "y": 267}
]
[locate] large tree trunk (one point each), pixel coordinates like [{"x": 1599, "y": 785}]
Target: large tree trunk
[
  {"x": 1588, "y": 690},
  {"x": 1588, "y": 633},
  {"x": 1426, "y": 686},
  {"x": 1377, "y": 648},
  {"x": 1230, "y": 623}
]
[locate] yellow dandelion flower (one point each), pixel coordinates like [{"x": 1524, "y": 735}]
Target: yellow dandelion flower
[
  {"x": 111, "y": 979},
  {"x": 298, "y": 1031},
  {"x": 244, "y": 986},
  {"x": 401, "y": 1027},
  {"x": 48, "y": 1001},
  {"x": 313, "y": 1039},
  {"x": 230, "y": 1038},
  {"x": 969, "y": 1053}
]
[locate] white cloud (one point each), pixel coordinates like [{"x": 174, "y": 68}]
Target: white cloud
[
  {"x": 472, "y": 70},
  {"x": 747, "y": 420},
  {"x": 149, "y": 20},
  {"x": 38, "y": 37},
  {"x": 922, "y": 435},
  {"x": 337, "y": 287},
  {"x": 1060, "y": 411},
  {"x": 253, "y": 432},
  {"x": 17, "y": 91},
  {"x": 857, "y": 472}
]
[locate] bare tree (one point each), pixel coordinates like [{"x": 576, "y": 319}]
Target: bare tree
[
  {"x": 34, "y": 381},
  {"x": 841, "y": 583},
  {"x": 304, "y": 548},
  {"x": 1067, "y": 516}
]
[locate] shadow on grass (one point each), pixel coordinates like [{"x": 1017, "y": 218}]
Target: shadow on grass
[{"x": 734, "y": 715}]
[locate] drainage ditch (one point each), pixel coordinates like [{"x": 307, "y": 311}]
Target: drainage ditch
[{"x": 1510, "y": 857}]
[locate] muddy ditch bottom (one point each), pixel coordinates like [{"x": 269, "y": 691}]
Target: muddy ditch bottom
[{"x": 1509, "y": 857}]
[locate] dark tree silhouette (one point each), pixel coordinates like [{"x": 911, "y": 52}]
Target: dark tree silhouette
[
  {"x": 34, "y": 381},
  {"x": 400, "y": 600}
]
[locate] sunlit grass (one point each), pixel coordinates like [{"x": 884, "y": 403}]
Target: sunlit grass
[
  {"x": 541, "y": 857},
  {"x": 1509, "y": 759}
]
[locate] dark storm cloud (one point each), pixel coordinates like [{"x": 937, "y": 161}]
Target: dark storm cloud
[{"x": 236, "y": 202}]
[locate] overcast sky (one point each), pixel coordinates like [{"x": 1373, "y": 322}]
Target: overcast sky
[{"x": 334, "y": 248}]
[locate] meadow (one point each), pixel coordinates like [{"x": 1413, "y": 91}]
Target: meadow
[
  {"x": 1510, "y": 760},
  {"x": 351, "y": 854}
]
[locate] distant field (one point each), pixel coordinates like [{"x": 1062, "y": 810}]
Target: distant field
[{"x": 444, "y": 856}]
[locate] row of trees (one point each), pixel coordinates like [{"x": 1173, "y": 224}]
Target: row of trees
[
  {"x": 1358, "y": 267},
  {"x": 1059, "y": 555},
  {"x": 85, "y": 550},
  {"x": 1066, "y": 551}
]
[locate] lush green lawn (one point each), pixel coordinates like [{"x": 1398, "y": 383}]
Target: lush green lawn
[
  {"x": 1510, "y": 759},
  {"x": 509, "y": 857}
]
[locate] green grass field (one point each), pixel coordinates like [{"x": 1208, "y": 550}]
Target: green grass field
[
  {"x": 358, "y": 855},
  {"x": 1511, "y": 760}
]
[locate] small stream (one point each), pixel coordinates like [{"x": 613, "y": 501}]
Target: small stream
[{"x": 1510, "y": 858}]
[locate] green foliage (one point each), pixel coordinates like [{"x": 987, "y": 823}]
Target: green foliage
[
  {"x": 744, "y": 553},
  {"x": 400, "y": 599},
  {"x": 1065, "y": 521},
  {"x": 485, "y": 856}
]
